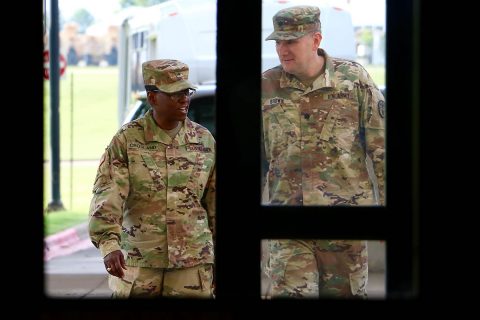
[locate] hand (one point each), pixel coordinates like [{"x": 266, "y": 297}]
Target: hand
[{"x": 114, "y": 263}]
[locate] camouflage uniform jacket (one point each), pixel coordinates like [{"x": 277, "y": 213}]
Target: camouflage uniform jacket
[
  {"x": 154, "y": 197},
  {"x": 317, "y": 139}
]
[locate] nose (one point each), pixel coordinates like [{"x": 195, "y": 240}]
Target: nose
[
  {"x": 181, "y": 99},
  {"x": 183, "y": 96},
  {"x": 281, "y": 47}
]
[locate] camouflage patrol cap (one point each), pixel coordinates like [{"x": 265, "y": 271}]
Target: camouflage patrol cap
[
  {"x": 167, "y": 75},
  {"x": 295, "y": 22}
]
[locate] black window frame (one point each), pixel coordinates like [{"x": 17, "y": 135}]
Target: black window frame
[{"x": 242, "y": 222}]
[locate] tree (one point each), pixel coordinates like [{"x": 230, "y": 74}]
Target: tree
[
  {"x": 366, "y": 37},
  {"x": 83, "y": 18},
  {"x": 140, "y": 3}
]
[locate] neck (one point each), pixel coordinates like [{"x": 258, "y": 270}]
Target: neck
[
  {"x": 165, "y": 124},
  {"x": 316, "y": 68}
]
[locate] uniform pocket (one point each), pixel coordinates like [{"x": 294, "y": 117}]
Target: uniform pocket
[
  {"x": 343, "y": 137},
  {"x": 358, "y": 282},
  {"x": 98, "y": 198},
  {"x": 205, "y": 274},
  {"x": 283, "y": 123},
  {"x": 156, "y": 183},
  {"x": 201, "y": 172},
  {"x": 145, "y": 178},
  {"x": 338, "y": 132},
  {"x": 101, "y": 187},
  {"x": 122, "y": 288},
  {"x": 327, "y": 129}
]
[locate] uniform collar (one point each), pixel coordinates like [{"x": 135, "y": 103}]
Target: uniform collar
[
  {"x": 153, "y": 132},
  {"x": 326, "y": 80}
]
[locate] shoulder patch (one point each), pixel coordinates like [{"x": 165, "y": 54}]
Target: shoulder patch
[{"x": 381, "y": 108}]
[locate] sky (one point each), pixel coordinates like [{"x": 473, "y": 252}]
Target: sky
[
  {"x": 364, "y": 12},
  {"x": 100, "y": 9}
]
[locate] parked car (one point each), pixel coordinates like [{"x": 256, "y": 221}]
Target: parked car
[{"x": 201, "y": 110}]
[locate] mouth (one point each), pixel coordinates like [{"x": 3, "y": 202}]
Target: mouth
[{"x": 183, "y": 109}]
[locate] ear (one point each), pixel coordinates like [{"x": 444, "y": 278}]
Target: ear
[
  {"x": 151, "y": 97},
  {"x": 317, "y": 39}
]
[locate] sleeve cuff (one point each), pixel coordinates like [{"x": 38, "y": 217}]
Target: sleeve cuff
[{"x": 109, "y": 246}]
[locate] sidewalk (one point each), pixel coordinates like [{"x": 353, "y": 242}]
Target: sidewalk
[
  {"x": 73, "y": 266},
  {"x": 77, "y": 275}
]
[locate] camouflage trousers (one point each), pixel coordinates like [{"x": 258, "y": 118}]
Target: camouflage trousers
[
  {"x": 138, "y": 282},
  {"x": 317, "y": 269}
]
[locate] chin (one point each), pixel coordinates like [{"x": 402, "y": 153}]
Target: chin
[{"x": 287, "y": 68}]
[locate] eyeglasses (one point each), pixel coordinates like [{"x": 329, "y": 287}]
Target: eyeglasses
[{"x": 179, "y": 94}]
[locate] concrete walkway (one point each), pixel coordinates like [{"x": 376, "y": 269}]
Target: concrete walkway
[{"x": 80, "y": 274}]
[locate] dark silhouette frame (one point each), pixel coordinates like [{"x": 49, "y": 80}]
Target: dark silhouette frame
[{"x": 241, "y": 221}]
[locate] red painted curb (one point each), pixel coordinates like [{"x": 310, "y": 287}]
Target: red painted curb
[
  {"x": 63, "y": 238},
  {"x": 59, "y": 241}
]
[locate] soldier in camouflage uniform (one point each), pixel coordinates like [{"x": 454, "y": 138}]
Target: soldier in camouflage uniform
[
  {"x": 323, "y": 138},
  {"x": 153, "y": 209}
]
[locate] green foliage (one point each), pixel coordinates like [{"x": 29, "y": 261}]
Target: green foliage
[
  {"x": 366, "y": 37},
  {"x": 139, "y": 3},
  {"x": 83, "y": 18}
]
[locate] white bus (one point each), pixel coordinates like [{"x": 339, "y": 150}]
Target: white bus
[
  {"x": 186, "y": 30},
  {"x": 336, "y": 26}
]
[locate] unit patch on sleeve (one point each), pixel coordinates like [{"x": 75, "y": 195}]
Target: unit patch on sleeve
[{"x": 381, "y": 108}]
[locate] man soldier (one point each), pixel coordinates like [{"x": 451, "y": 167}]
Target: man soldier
[{"x": 323, "y": 134}]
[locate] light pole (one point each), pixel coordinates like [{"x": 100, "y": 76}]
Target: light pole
[{"x": 56, "y": 202}]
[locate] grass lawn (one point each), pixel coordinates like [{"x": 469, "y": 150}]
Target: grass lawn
[
  {"x": 94, "y": 124},
  {"x": 61, "y": 220},
  {"x": 75, "y": 196},
  {"x": 377, "y": 73},
  {"x": 93, "y": 92}
]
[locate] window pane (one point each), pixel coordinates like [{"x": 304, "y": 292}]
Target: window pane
[
  {"x": 310, "y": 269},
  {"x": 171, "y": 157},
  {"x": 323, "y": 111}
]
